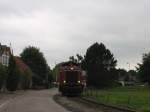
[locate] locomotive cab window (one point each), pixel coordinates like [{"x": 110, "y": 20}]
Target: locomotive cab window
[{"x": 72, "y": 76}]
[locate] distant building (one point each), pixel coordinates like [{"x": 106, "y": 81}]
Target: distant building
[
  {"x": 127, "y": 79},
  {"x": 5, "y": 53}
]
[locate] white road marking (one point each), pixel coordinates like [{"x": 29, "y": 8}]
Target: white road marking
[{"x": 5, "y": 103}]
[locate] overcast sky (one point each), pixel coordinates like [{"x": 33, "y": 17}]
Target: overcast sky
[{"x": 61, "y": 28}]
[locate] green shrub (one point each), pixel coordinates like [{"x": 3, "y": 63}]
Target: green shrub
[
  {"x": 3, "y": 75},
  {"x": 26, "y": 79},
  {"x": 13, "y": 80},
  {"x": 13, "y": 75}
]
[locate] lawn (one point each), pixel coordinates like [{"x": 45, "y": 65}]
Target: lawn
[{"x": 134, "y": 97}]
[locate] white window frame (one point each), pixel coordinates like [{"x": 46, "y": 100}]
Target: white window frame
[{"x": 4, "y": 59}]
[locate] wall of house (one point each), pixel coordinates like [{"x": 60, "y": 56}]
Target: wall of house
[{"x": 4, "y": 55}]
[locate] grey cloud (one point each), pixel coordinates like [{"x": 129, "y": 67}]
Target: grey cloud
[{"x": 62, "y": 28}]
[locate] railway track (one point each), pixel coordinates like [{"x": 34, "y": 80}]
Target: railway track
[
  {"x": 77, "y": 104},
  {"x": 105, "y": 105}
]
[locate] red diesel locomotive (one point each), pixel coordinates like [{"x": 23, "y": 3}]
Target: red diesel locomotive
[{"x": 71, "y": 78}]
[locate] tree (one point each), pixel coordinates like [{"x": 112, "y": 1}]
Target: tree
[
  {"x": 50, "y": 78},
  {"x": 78, "y": 59},
  {"x": 55, "y": 72},
  {"x": 3, "y": 75},
  {"x": 26, "y": 79},
  {"x": 98, "y": 63},
  {"x": 132, "y": 75},
  {"x": 37, "y": 63},
  {"x": 13, "y": 75},
  {"x": 73, "y": 59},
  {"x": 122, "y": 73},
  {"x": 144, "y": 69}
]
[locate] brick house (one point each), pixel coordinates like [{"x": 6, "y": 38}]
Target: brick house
[{"x": 5, "y": 53}]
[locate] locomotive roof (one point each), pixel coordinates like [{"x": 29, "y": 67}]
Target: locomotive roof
[{"x": 68, "y": 63}]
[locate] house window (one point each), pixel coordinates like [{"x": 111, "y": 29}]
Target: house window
[{"x": 5, "y": 60}]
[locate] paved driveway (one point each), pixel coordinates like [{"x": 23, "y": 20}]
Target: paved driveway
[{"x": 33, "y": 101}]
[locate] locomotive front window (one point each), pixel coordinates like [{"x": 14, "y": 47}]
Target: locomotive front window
[{"x": 72, "y": 76}]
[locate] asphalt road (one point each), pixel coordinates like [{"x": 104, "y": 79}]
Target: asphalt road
[{"x": 33, "y": 101}]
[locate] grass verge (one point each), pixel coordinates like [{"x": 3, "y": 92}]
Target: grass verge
[{"x": 133, "y": 97}]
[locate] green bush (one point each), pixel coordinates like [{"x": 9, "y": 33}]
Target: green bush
[
  {"x": 3, "y": 75},
  {"x": 26, "y": 79},
  {"x": 13, "y": 80},
  {"x": 13, "y": 75}
]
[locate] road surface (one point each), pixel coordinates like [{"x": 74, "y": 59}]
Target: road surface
[{"x": 33, "y": 101}]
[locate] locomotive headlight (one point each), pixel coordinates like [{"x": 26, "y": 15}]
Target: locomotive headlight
[
  {"x": 72, "y": 68},
  {"x": 78, "y": 81},
  {"x": 64, "y": 81}
]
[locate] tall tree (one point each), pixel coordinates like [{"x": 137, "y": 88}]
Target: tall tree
[
  {"x": 13, "y": 75},
  {"x": 98, "y": 63},
  {"x": 78, "y": 59},
  {"x": 37, "y": 62},
  {"x": 144, "y": 69},
  {"x": 73, "y": 59}
]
